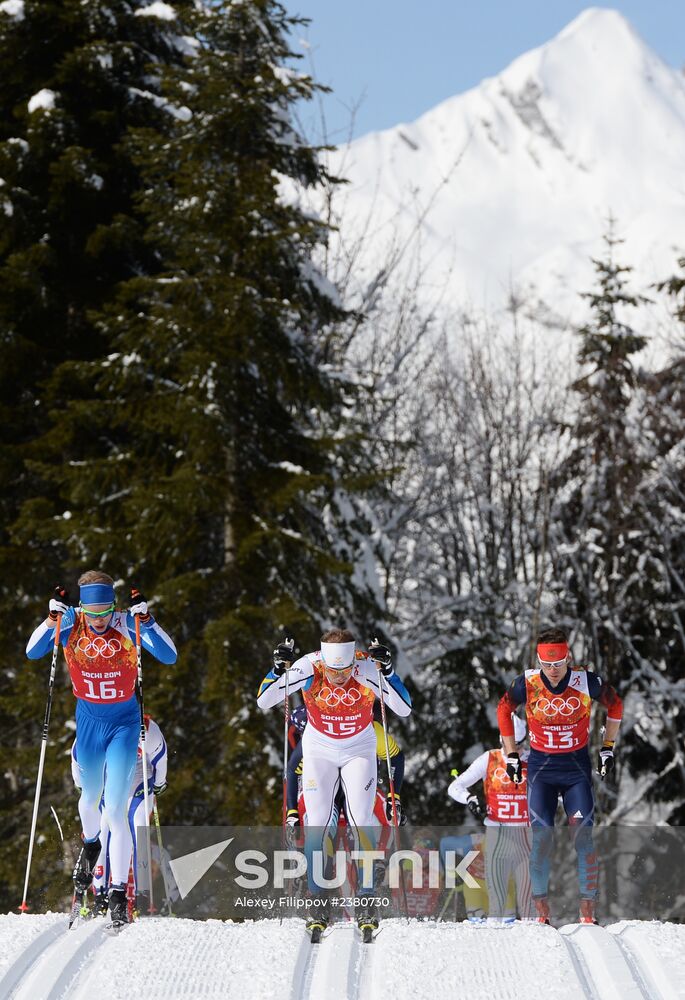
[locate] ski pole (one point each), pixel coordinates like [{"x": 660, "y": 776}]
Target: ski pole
[
  {"x": 161, "y": 858},
  {"x": 44, "y": 742},
  {"x": 391, "y": 783},
  {"x": 146, "y": 795},
  {"x": 287, "y": 641}
]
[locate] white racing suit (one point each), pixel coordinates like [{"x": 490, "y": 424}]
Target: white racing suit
[
  {"x": 508, "y": 835},
  {"x": 339, "y": 744}
]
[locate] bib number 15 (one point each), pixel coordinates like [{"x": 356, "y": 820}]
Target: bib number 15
[{"x": 339, "y": 728}]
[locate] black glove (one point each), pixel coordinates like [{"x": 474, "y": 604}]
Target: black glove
[
  {"x": 59, "y": 603},
  {"x": 514, "y": 769},
  {"x": 475, "y": 808},
  {"x": 139, "y": 605},
  {"x": 160, "y": 789},
  {"x": 293, "y": 817},
  {"x": 401, "y": 816},
  {"x": 605, "y": 759},
  {"x": 381, "y": 654},
  {"x": 284, "y": 655}
]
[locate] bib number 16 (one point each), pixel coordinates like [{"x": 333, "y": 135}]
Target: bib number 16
[{"x": 107, "y": 690}]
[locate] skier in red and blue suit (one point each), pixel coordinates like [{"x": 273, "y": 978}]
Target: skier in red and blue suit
[
  {"x": 99, "y": 647},
  {"x": 558, "y": 701}
]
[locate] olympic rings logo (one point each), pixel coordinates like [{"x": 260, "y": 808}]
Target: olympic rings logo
[
  {"x": 558, "y": 706},
  {"x": 332, "y": 699},
  {"x": 500, "y": 774},
  {"x": 98, "y": 646}
]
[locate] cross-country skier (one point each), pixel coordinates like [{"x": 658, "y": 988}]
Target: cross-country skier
[
  {"x": 558, "y": 700},
  {"x": 339, "y": 686},
  {"x": 508, "y": 833},
  {"x": 99, "y": 647},
  {"x": 298, "y": 721},
  {"x": 156, "y": 753}
]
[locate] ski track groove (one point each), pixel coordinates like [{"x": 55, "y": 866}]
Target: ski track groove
[
  {"x": 603, "y": 965},
  {"x": 307, "y": 958},
  {"x": 55, "y": 971},
  {"x": 639, "y": 974},
  {"x": 356, "y": 966},
  {"x": 25, "y": 961},
  {"x": 581, "y": 970}
]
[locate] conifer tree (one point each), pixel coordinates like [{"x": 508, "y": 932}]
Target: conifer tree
[
  {"x": 75, "y": 78},
  {"x": 207, "y": 453},
  {"x": 597, "y": 528},
  {"x": 593, "y": 511},
  {"x": 655, "y": 749}
]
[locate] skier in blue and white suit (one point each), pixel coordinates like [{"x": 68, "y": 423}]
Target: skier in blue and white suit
[
  {"x": 99, "y": 647},
  {"x": 156, "y": 755}
]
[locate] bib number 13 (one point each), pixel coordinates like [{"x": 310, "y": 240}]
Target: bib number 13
[{"x": 558, "y": 741}]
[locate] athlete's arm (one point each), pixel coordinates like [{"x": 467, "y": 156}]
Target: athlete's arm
[
  {"x": 508, "y": 703},
  {"x": 43, "y": 638},
  {"x": 394, "y": 751},
  {"x": 272, "y": 688},
  {"x": 459, "y": 789},
  {"x": 153, "y": 638},
  {"x": 606, "y": 695},
  {"x": 395, "y": 694}
]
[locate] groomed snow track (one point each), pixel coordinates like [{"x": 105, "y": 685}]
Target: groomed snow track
[{"x": 269, "y": 960}]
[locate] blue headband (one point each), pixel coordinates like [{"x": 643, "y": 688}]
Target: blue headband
[{"x": 97, "y": 593}]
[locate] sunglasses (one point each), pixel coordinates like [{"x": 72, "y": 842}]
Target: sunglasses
[
  {"x": 553, "y": 663},
  {"x": 97, "y": 614}
]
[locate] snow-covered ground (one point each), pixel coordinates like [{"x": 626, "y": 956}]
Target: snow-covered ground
[{"x": 160, "y": 958}]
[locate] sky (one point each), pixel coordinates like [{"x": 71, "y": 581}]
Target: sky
[{"x": 388, "y": 61}]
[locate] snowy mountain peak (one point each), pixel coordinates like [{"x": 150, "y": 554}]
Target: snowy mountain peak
[{"x": 511, "y": 183}]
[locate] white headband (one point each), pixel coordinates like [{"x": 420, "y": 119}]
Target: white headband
[{"x": 337, "y": 655}]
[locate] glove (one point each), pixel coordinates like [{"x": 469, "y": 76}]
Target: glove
[
  {"x": 160, "y": 789},
  {"x": 381, "y": 654},
  {"x": 283, "y": 656},
  {"x": 59, "y": 603},
  {"x": 139, "y": 605},
  {"x": 514, "y": 769},
  {"x": 605, "y": 759},
  {"x": 293, "y": 829},
  {"x": 401, "y": 817},
  {"x": 475, "y": 808}
]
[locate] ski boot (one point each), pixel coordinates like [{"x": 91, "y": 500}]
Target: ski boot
[
  {"x": 315, "y": 927},
  {"x": 379, "y": 870},
  {"x": 367, "y": 926},
  {"x": 118, "y": 909},
  {"x": 83, "y": 870},
  {"x": 100, "y": 904},
  {"x": 587, "y": 912},
  {"x": 542, "y": 908},
  {"x": 82, "y": 877}
]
